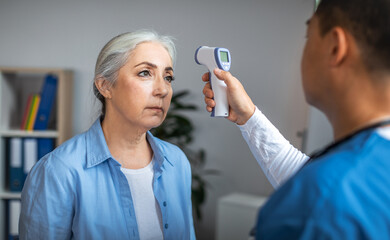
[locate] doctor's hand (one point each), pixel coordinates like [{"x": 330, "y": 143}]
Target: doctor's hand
[{"x": 241, "y": 107}]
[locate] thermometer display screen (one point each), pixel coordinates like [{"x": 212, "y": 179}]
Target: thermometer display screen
[{"x": 224, "y": 56}]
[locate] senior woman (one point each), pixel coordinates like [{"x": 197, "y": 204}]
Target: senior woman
[{"x": 116, "y": 181}]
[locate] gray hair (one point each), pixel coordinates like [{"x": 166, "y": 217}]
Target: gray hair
[{"x": 115, "y": 54}]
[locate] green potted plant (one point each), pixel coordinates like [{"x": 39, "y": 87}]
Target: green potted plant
[{"x": 178, "y": 129}]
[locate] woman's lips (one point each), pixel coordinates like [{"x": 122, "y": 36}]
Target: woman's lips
[{"x": 157, "y": 109}]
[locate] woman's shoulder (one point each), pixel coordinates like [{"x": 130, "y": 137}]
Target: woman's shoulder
[
  {"x": 62, "y": 163},
  {"x": 68, "y": 153},
  {"x": 75, "y": 143},
  {"x": 167, "y": 147}
]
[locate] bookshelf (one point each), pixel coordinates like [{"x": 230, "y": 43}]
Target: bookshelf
[{"x": 16, "y": 84}]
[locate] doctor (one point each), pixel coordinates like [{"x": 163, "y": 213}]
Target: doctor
[{"x": 343, "y": 191}]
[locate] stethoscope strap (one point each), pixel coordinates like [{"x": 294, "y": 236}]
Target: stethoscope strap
[{"x": 331, "y": 146}]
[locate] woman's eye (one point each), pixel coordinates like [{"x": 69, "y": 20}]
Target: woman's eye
[
  {"x": 170, "y": 78},
  {"x": 144, "y": 73}
]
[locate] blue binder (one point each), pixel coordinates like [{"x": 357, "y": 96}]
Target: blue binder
[
  {"x": 48, "y": 95},
  {"x": 45, "y": 145},
  {"x": 30, "y": 155},
  {"x": 12, "y": 225},
  {"x": 16, "y": 175}
]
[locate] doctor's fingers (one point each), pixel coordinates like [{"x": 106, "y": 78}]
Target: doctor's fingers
[
  {"x": 206, "y": 77},
  {"x": 207, "y": 91},
  {"x": 210, "y": 103}
]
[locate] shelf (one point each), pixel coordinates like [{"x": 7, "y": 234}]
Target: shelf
[
  {"x": 16, "y": 85},
  {"x": 10, "y": 195},
  {"x": 23, "y": 133}
]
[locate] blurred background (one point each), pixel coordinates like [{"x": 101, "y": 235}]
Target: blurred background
[{"x": 265, "y": 39}]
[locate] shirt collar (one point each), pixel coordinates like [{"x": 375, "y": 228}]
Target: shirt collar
[
  {"x": 159, "y": 151},
  {"x": 98, "y": 152},
  {"x": 97, "y": 149}
]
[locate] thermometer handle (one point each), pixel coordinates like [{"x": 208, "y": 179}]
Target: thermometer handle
[{"x": 221, "y": 108}]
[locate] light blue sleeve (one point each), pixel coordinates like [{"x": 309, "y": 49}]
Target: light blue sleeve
[{"x": 47, "y": 201}]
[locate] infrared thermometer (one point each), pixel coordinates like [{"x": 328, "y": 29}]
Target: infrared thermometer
[{"x": 215, "y": 57}]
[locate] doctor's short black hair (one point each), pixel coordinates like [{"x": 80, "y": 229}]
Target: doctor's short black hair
[{"x": 368, "y": 21}]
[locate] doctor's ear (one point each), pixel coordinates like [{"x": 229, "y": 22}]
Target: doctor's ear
[
  {"x": 104, "y": 87},
  {"x": 339, "y": 45}
]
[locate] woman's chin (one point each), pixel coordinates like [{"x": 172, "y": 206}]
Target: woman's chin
[{"x": 153, "y": 124}]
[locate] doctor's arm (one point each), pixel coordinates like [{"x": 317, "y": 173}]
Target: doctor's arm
[{"x": 277, "y": 157}]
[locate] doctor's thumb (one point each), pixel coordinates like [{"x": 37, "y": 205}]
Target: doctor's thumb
[{"x": 224, "y": 76}]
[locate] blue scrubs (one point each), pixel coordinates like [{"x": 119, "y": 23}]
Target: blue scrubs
[{"x": 344, "y": 194}]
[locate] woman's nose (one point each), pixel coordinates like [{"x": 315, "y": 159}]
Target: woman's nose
[{"x": 161, "y": 88}]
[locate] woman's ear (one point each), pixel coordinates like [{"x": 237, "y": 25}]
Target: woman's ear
[{"x": 104, "y": 87}]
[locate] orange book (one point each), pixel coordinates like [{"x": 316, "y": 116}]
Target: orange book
[
  {"x": 33, "y": 112},
  {"x": 26, "y": 112}
]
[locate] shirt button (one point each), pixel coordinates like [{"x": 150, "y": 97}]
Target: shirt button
[
  {"x": 166, "y": 226},
  {"x": 165, "y": 204}
]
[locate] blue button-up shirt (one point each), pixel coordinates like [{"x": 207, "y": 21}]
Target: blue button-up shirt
[{"x": 78, "y": 191}]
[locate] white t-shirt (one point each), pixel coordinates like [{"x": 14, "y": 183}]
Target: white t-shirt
[{"x": 147, "y": 210}]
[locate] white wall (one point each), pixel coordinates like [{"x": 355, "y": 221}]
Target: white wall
[
  {"x": 319, "y": 132},
  {"x": 265, "y": 38}
]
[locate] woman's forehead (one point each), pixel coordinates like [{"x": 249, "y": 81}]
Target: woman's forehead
[{"x": 153, "y": 52}]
